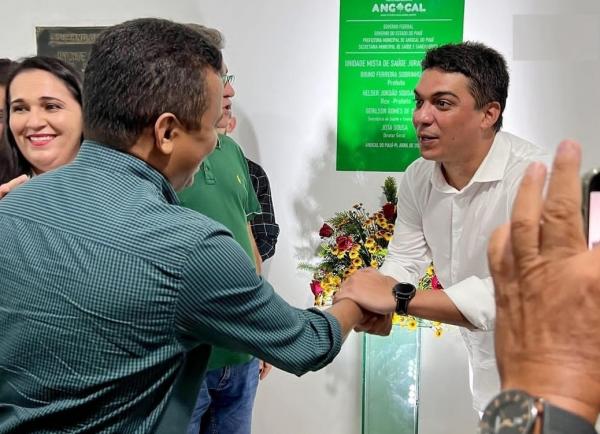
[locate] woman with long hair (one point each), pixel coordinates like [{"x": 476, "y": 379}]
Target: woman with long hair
[{"x": 43, "y": 117}]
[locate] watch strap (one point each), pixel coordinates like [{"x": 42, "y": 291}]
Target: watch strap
[
  {"x": 403, "y": 297},
  {"x": 559, "y": 421}
]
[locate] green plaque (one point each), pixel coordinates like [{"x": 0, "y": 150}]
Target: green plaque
[{"x": 381, "y": 48}]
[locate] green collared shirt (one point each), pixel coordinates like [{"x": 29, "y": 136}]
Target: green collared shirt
[
  {"x": 111, "y": 295},
  {"x": 222, "y": 190}
]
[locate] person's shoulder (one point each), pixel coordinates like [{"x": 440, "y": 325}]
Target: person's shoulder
[
  {"x": 255, "y": 168},
  {"x": 227, "y": 142},
  {"x": 230, "y": 148},
  {"x": 522, "y": 149},
  {"x": 180, "y": 219},
  {"x": 420, "y": 169}
]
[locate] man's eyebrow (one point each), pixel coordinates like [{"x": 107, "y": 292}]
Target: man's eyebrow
[{"x": 438, "y": 94}]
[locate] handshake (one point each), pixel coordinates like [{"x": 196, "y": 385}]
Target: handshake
[{"x": 546, "y": 288}]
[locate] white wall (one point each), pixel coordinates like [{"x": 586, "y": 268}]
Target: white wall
[{"x": 284, "y": 55}]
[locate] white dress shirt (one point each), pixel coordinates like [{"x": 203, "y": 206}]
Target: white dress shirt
[{"x": 437, "y": 222}]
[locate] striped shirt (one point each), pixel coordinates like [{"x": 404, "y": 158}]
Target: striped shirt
[{"x": 111, "y": 295}]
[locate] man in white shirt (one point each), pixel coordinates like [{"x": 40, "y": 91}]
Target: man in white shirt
[{"x": 450, "y": 201}]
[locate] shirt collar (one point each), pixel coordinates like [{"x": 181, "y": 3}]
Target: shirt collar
[
  {"x": 122, "y": 164},
  {"x": 491, "y": 169}
]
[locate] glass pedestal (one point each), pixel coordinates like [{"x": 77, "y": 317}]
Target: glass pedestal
[{"x": 390, "y": 398}]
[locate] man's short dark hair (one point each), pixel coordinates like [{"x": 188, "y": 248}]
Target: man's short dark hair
[
  {"x": 484, "y": 67},
  {"x": 214, "y": 36},
  {"x": 141, "y": 69}
]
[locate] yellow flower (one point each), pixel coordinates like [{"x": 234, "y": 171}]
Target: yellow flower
[
  {"x": 374, "y": 263},
  {"x": 411, "y": 324},
  {"x": 438, "y": 331},
  {"x": 335, "y": 251},
  {"x": 387, "y": 236},
  {"x": 429, "y": 271},
  {"x": 390, "y": 227},
  {"x": 353, "y": 254},
  {"x": 370, "y": 242},
  {"x": 381, "y": 222},
  {"x": 357, "y": 262},
  {"x": 352, "y": 269},
  {"x": 341, "y": 255},
  {"x": 337, "y": 280},
  {"x": 398, "y": 319},
  {"x": 347, "y": 273}
]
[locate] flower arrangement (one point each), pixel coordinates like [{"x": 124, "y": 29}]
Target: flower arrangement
[{"x": 355, "y": 239}]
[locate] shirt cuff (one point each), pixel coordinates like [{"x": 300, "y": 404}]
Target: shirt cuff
[
  {"x": 474, "y": 298},
  {"x": 335, "y": 337}
]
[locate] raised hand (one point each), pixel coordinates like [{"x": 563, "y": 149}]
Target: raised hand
[{"x": 547, "y": 288}]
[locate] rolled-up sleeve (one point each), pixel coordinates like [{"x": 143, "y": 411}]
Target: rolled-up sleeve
[
  {"x": 474, "y": 298},
  {"x": 223, "y": 302}
]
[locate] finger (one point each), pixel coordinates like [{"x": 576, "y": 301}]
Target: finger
[
  {"x": 366, "y": 324},
  {"x": 12, "y": 184},
  {"x": 17, "y": 181},
  {"x": 526, "y": 215},
  {"x": 266, "y": 368},
  {"x": 502, "y": 262},
  {"x": 562, "y": 231}
]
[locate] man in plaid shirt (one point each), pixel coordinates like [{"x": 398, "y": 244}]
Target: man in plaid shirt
[{"x": 264, "y": 227}]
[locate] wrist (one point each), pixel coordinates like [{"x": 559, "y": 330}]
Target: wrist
[
  {"x": 571, "y": 389},
  {"x": 352, "y": 310}
]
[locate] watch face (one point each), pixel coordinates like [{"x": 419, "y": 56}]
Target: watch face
[
  {"x": 404, "y": 288},
  {"x": 510, "y": 412}
]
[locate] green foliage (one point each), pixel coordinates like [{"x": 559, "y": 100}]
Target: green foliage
[{"x": 390, "y": 190}]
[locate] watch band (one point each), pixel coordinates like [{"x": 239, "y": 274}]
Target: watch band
[
  {"x": 559, "y": 421},
  {"x": 403, "y": 293}
]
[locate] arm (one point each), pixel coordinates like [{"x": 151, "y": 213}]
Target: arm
[
  {"x": 223, "y": 302},
  {"x": 408, "y": 256},
  {"x": 373, "y": 292},
  {"x": 264, "y": 226},
  {"x": 257, "y": 257}
]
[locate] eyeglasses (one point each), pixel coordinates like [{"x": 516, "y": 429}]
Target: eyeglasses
[{"x": 227, "y": 78}]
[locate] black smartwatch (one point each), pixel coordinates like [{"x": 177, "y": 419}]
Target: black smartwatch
[{"x": 403, "y": 293}]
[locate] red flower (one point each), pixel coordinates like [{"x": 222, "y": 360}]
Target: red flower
[
  {"x": 435, "y": 283},
  {"x": 389, "y": 212},
  {"x": 325, "y": 231},
  {"x": 343, "y": 242},
  {"x": 315, "y": 287}
]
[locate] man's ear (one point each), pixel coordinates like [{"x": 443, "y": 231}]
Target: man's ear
[
  {"x": 166, "y": 129},
  {"x": 491, "y": 113}
]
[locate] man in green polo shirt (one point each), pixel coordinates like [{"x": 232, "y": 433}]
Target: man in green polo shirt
[{"x": 223, "y": 191}]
